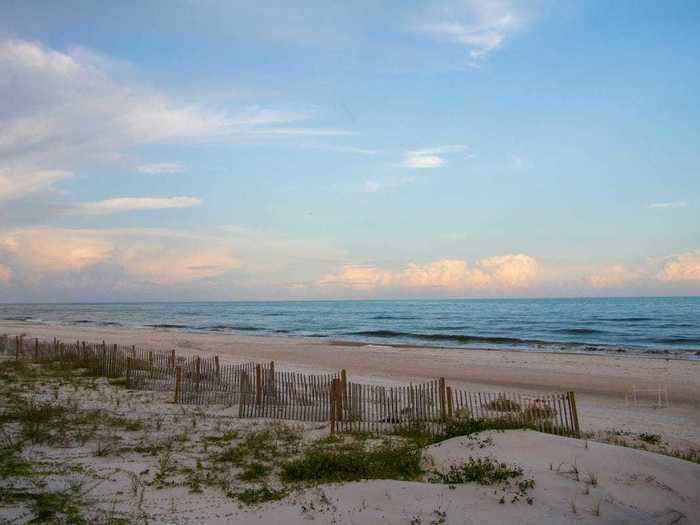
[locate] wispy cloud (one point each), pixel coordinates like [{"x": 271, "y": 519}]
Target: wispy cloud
[
  {"x": 123, "y": 204},
  {"x": 663, "y": 205},
  {"x": 19, "y": 181},
  {"x": 481, "y": 26},
  {"x": 71, "y": 109},
  {"x": 386, "y": 183},
  {"x": 161, "y": 168},
  {"x": 431, "y": 158}
]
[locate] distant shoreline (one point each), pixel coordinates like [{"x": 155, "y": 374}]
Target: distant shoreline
[{"x": 596, "y": 373}]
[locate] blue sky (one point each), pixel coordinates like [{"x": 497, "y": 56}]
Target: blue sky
[{"x": 222, "y": 150}]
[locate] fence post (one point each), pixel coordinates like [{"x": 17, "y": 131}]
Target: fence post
[
  {"x": 272, "y": 388},
  {"x": 172, "y": 358},
  {"x": 150, "y": 365},
  {"x": 36, "y": 350},
  {"x": 441, "y": 386},
  {"x": 128, "y": 372},
  {"x": 258, "y": 385},
  {"x": 574, "y": 413},
  {"x": 343, "y": 387},
  {"x": 197, "y": 372},
  {"x": 333, "y": 391},
  {"x": 18, "y": 343},
  {"x": 449, "y": 402},
  {"x": 178, "y": 379},
  {"x": 242, "y": 396},
  {"x": 218, "y": 369}
]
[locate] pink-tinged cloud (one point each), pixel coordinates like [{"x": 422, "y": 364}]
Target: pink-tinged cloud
[
  {"x": 139, "y": 256},
  {"x": 168, "y": 263},
  {"x": 681, "y": 268},
  {"x": 52, "y": 251},
  {"x": 5, "y": 274},
  {"x": 506, "y": 272},
  {"x": 611, "y": 276}
]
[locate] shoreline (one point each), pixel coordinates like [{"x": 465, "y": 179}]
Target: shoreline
[
  {"x": 566, "y": 348},
  {"x": 242, "y": 344}
]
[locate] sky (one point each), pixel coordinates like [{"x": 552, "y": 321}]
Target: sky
[{"x": 211, "y": 150}]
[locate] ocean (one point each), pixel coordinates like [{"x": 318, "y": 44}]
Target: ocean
[{"x": 663, "y": 326}]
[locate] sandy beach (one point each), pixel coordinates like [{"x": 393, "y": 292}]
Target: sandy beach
[
  {"x": 115, "y": 455},
  {"x": 600, "y": 381}
]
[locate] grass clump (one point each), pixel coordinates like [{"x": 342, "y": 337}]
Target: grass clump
[
  {"x": 12, "y": 464},
  {"x": 420, "y": 434},
  {"x": 264, "y": 445},
  {"x": 356, "y": 462},
  {"x": 467, "y": 427},
  {"x": 258, "y": 496},
  {"x": 652, "y": 439},
  {"x": 57, "y": 507},
  {"x": 254, "y": 472},
  {"x": 37, "y": 419},
  {"x": 484, "y": 471},
  {"x": 224, "y": 438}
]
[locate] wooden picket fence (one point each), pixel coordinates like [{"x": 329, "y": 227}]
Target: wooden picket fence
[
  {"x": 260, "y": 390},
  {"x": 432, "y": 405}
]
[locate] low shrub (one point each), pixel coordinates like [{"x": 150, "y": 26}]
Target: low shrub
[
  {"x": 484, "y": 471},
  {"x": 355, "y": 462},
  {"x": 259, "y": 495},
  {"x": 254, "y": 471}
]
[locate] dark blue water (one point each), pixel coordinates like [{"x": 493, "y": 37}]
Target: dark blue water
[{"x": 654, "y": 326}]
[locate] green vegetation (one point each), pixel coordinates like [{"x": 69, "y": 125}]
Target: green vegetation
[
  {"x": 468, "y": 427},
  {"x": 254, "y": 472},
  {"x": 652, "y": 439},
  {"x": 484, "y": 471},
  {"x": 355, "y": 462},
  {"x": 258, "y": 496},
  {"x": 61, "y": 507},
  {"x": 264, "y": 445}
]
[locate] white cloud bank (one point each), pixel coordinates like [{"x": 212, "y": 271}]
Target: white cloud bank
[
  {"x": 611, "y": 276},
  {"x": 505, "y": 272}
]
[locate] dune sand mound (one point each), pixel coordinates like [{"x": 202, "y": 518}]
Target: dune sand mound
[{"x": 574, "y": 482}]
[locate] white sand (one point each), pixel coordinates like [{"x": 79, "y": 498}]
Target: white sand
[{"x": 632, "y": 486}]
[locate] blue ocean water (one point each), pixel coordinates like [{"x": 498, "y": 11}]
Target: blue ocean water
[{"x": 654, "y": 326}]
